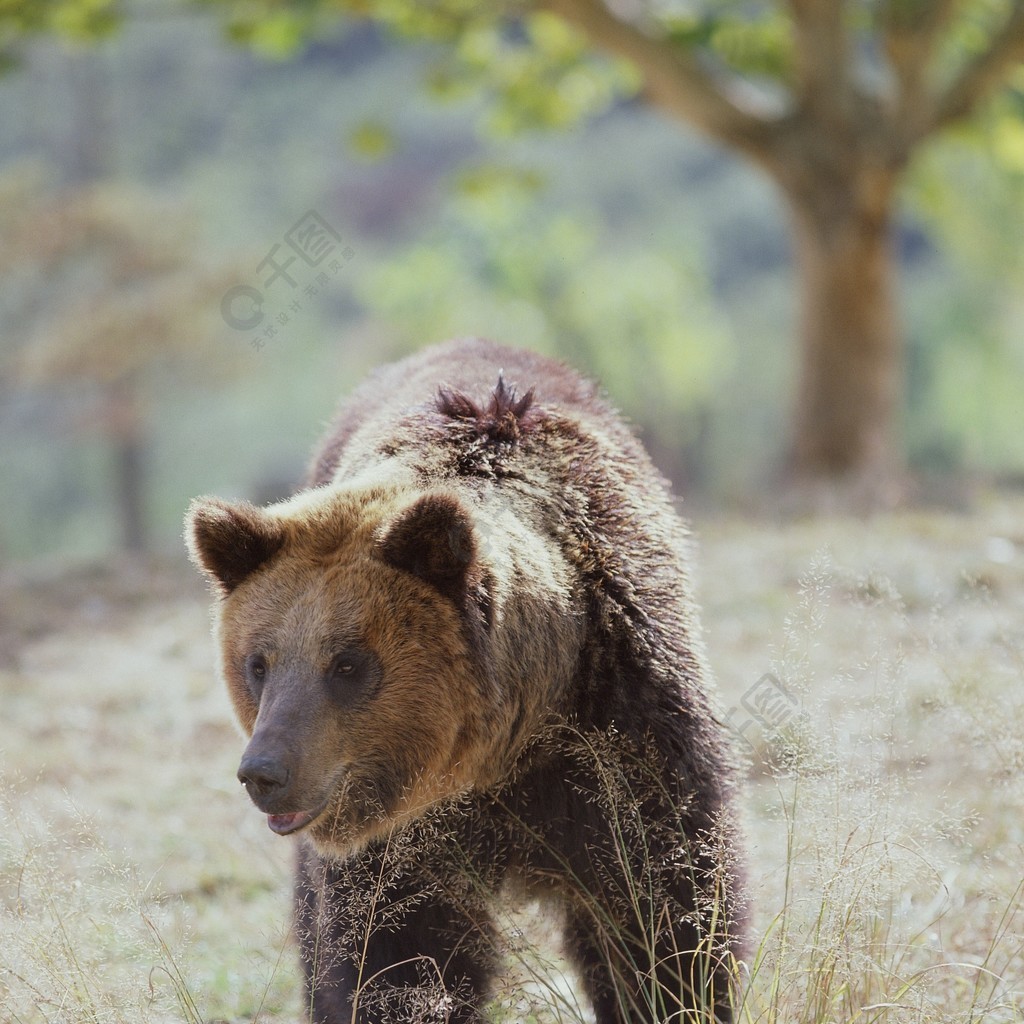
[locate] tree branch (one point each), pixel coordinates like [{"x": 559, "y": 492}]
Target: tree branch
[
  {"x": 674, "y": 79},
  {"x": 982, "y": 75},
  {"x": 822, "y": 53},
  {"x": 910, "y": 31},
  {"x": 919, "y": 22}
]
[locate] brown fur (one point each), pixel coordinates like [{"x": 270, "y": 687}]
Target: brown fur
[{"x": 474, "y": 617}]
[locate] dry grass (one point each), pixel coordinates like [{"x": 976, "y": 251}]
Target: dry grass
[
  {"x": 885, "y": 807},
  {"x": 134, "y": 883}
]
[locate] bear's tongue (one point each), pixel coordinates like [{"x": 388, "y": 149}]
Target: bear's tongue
[{"x": 282, "y": 824}]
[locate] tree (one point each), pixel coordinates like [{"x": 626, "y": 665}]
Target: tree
[
  {"x": 105, "y": 299},
  {"x": 830, "y": 98}
]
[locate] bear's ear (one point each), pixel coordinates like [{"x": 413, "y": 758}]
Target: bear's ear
[
  {"x": 433, "y": 539},
  {"x": 229, "y": 542}
]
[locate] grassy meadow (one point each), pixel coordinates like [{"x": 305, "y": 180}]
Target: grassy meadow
[{"x": 884, "y": 796}]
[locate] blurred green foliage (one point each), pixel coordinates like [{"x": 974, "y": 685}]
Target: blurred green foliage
[
  {"x": 969, "y": 193},
  {"x": 638, "y": 252},
  {"x": 543, "y": 76},
  {"x": 639, "y": 316},
  {"x": 754, "y": 39},
  {"x": 76, "y": 19}
]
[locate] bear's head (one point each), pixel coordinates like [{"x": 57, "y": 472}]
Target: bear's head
[{"x": 359, "y": 643}]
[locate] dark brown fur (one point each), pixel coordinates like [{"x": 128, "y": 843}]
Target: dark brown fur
[{"x": 477, "y": 661}]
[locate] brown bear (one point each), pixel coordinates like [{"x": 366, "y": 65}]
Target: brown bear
[{"x": 467, "y": 658}]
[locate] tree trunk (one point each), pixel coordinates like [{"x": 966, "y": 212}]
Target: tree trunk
[
  {"x": 127, "y": 435},
  {"x": 130, "y": 456},
  {"x": 846, "y": 438}
]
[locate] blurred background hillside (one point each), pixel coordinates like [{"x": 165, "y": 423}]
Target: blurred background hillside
[{"x": 157, "y": 343}]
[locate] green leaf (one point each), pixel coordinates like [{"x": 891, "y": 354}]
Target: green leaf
[
  {"x": 689, "y": 32},
  {"x": 372, "y": 140},
  {"x": 489, "y": 180},
  {"x": 1008, "y": 144},
  {"x": 551, "y": 36},
  {"x": 760, "y": 48},
  {"x": 279, "y": 35}
]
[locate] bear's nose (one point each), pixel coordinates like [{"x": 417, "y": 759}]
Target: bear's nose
[{"x": 262, "y": 774}]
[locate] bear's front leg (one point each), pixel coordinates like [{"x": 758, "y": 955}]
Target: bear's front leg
[
  {"x": 630, "y": 977},
  {"x": 647, "y": 883},
  {"x": 381, "y": 944}
]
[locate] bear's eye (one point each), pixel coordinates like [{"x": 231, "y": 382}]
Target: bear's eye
[
  {"x": 344, "y": 666},
  {"x": 257, "y": 668},
  {"x": 353, "y": 676}
]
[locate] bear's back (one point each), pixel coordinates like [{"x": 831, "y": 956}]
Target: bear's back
[
  {"x": 460, "y": 416},
  {"x": 400, "y": 406}
]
